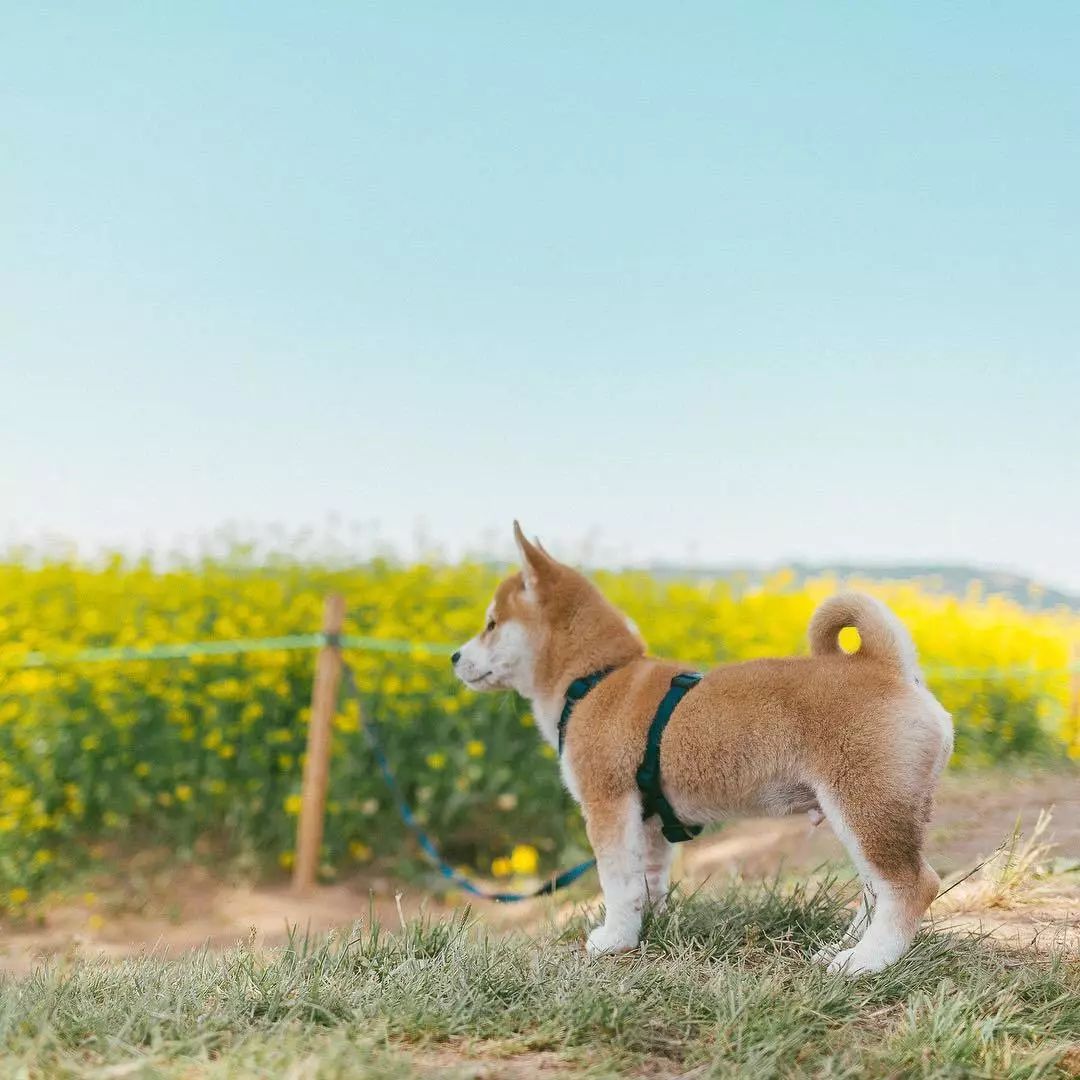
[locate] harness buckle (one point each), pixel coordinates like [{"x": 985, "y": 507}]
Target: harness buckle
[
  {"x": 686, "y": 680},
  {"x": 679, "y": 834}
]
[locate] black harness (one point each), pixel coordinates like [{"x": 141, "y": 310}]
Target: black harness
[{"x": 653, "y": 800}]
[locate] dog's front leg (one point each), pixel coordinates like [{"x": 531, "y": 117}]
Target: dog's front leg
[{"x": 617, "y": 835}]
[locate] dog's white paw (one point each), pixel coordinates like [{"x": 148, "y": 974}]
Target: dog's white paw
[
  {"x": 839, "y": 962},
  {"x": 610, "y": 939},
  {"x": 825, "y": 954},
  {"x": 852, "y": 963}
]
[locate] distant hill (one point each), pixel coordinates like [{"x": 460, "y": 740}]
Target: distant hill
[{"x": 950, "y": 580}]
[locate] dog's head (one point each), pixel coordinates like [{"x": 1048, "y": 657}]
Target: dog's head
[{"x": 544, "y": 623}]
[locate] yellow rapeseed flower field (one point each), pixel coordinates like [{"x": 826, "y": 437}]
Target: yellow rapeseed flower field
[{"x": 211, "y": 748}]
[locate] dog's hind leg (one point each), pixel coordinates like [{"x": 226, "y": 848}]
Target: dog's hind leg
[
  {"x": 624, "y": 860},
  {"x": 855, "y": 928},
  {"x": 658, "y": 858},
  {"x": 883, "y": 836}
]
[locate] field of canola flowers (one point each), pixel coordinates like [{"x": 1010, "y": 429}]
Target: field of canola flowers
[{"x": 99, "y": 757}]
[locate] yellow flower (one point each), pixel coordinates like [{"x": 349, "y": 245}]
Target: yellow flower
[
  {"x": 286, "y": 860},
  {"x": 524, "y": 859},
  {"x": 475, "y": 748},
  {"x": 183, "y": 792},
  {"x": 527, "y": 720},
  {"x": 359, "y": 851},
  {"x": 18, "y": 896},
  {"x": 436, "y": 761},
  {"x": 90, "y": 742},
  {"x": 502, "y": 867},
  {"x": 346, "y": 723},
  {"x": 43, "y": 857},
  {"x": 548, "y": 751},
  {"x": 293, "y": 804},
  {"x": 18, "y": 796},
  {"x": 142, "y": 769}
]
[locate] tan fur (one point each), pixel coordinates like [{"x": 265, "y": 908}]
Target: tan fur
[{"x": 856, "y": 733}]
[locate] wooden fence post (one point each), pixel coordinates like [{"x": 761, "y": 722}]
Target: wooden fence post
[{"x": 324, "y": 696}]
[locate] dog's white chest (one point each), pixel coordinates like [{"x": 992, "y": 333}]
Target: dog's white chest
[
  {"x": 547, "y": 715},
  {"x": 569, "y": 779}
]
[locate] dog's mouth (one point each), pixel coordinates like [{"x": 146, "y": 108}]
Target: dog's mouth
[{"x": 478, "y": 682}]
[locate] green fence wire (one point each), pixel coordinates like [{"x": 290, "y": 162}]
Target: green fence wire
[
  {"x": 188, "y": 650},
  {"x": 362, "y": 643}
]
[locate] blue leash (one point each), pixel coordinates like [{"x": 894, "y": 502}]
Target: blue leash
[{"x": 371, "y": 737}]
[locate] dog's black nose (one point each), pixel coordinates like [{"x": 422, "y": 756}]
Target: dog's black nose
[{"x": 455, "y": 658}]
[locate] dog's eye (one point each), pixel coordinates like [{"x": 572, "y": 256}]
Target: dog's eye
[{"x": 490, "y": 626}]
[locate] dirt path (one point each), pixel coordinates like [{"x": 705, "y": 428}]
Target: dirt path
[
  {"x": 179, "y": 910},
  {"x": 974, "y": 815}
]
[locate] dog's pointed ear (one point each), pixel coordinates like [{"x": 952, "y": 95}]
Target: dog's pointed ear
[{"x": 536, "y": 563}]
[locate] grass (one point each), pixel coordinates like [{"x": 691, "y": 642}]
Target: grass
[
  {"x": 721, "y": 988},
  {"x": 1010, "y": 876}
]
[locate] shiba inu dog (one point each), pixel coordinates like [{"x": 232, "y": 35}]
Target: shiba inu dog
[{"x": 856, "y": 738}]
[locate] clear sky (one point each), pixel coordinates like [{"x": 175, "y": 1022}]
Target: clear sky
[{"x": 736, "y": 282}]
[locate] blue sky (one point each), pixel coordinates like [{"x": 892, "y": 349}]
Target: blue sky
[{"x": 732, "y": 282}]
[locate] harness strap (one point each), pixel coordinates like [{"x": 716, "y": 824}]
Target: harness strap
[
  {"x": 574, "y": 693},
  {"x": 653, "y": 800}
]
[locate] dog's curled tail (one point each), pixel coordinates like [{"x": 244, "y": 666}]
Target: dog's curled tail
[{"x": 883, "y": 637}]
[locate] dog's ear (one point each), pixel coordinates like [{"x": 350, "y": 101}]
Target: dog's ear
[{"x": 536, "y": 564}]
